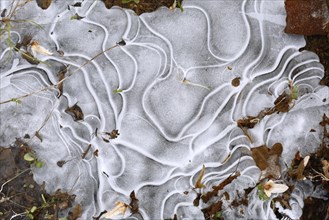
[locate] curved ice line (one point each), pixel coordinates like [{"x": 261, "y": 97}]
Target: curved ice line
[
  {"x": 4, "y": 53},
  {"x": 137, "y": 33},
  {"x": 157, "y": 49},
  {"x": 300, "y": 64},
  {"x": 218, "y": 165},
  {"x": 208, "y": 37},
  {"x": 280, "y": 87},
  {"x": 90, "y": 8},
  {"x": 31, "y": 89},
  {"x": 273, "y": 127},
  {"x": 312, "y": 71},
  {"x": 32, "y": 73},
  {"x": 90, "y": 171},
  {"x": 164, "y": 39},
  {"x": 144, "y": 153},
  {"x": 108, "y": 90},
  {"x": 164, "y": 201},
  {"x": 246, "y": 102},
  {"x": 90, "y": 88},
  {"x": 53, "y": 26},
  {"x": 214, "y": 116},
  {"x": 218, "y": 137},
  {"x": 74, "y": 134},
  {"x": 121, "y": 159},
  {"x": 128, "y": 27},
  {"x": 307, "y": 79},
  {"x": 253, "y": 65},
  {"x": 135, "y": 71},
  {"x": 206, "y": 67},
  {"x": 57, "y": 114}
]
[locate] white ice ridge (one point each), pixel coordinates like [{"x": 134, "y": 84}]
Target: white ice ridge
[{"x": 177, "y": 110}]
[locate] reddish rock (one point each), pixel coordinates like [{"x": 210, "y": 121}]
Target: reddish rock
[{"x": 307, "y": 17}]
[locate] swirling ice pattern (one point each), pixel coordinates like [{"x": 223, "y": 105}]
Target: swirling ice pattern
[{"x": 168, "y": 128}]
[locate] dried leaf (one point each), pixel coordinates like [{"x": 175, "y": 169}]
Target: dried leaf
[
  {"x": 221, "y": 186},
  {"x": 119, "y": 209},
  {"x": 96, "y": 153},
  {"x": 301, "y": 168},
  {"x": 133, "y": 203},
  {"x": 196, "y": 201},
  {"x": 76, "y": 112},
  {"x": 282, "y": 103},
  {"x": 37, "y": 48},
  {"x": 76, "y": 213},
  {"x": 267, "y": 159},
  {"x": 325, "y": 120},
  {"x": 61, "y": 76},
  {"x": 113, "y": 134},
  {"x": 260, "y": 155},
  {"x": 198, "y": 184},
  {"x": 248, "y": 122}
]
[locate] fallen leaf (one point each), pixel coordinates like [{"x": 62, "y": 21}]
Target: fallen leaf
[
  {"x": 76, "y": 112},
  {"x": 76, "y": 213},
  {"x": 119, "y": 209},
  {"x": 282, "y": 103},
  {"x": 198, "y": 184},
  {"x": 61, "y": 76},
  {"x": 301, "y": 168},
  {"x": 133, "y": 203},
  {"x": 205, "y": 198},
  {"x": 37, "y": 48}
]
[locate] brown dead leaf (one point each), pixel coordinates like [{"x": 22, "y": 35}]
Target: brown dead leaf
[
  {"x": 248, "y": 122},
  {"x": 260, "y": 155},
  {"x": 113, "y": 134},
  {"x": 119, "y": 210},
  {"x": 76, "y": 112},
  {"x": 75, "y": 213},
  {"x": 282, "y": 103},
  {"x": 325, "y": 120},
  {"x": 133, "y": 203},
  {"x": 210, "y": 212},
  {"x": 198, "y": 184},
  {"x": 267, "y": 159},
  {"x": 206, "y": 197},
  {"x": 301, "y": 168},
  {"x": 61, "y": 76},
  {"x": 196, "y": 201}
]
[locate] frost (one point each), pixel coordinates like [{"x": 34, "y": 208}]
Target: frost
[{"x": 168, "y": 92}]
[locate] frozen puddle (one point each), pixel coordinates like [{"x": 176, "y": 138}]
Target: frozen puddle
[{"x": 175, "y": 107}]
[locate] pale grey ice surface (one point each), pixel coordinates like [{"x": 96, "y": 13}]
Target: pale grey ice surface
[{"x": 168, "y": 128}]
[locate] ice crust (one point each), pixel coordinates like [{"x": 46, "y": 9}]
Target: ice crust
[{"x": 168, "y": 129}]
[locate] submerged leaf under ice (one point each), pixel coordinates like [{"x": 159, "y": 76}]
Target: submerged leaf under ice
[{"x": 175, "y": 110}]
